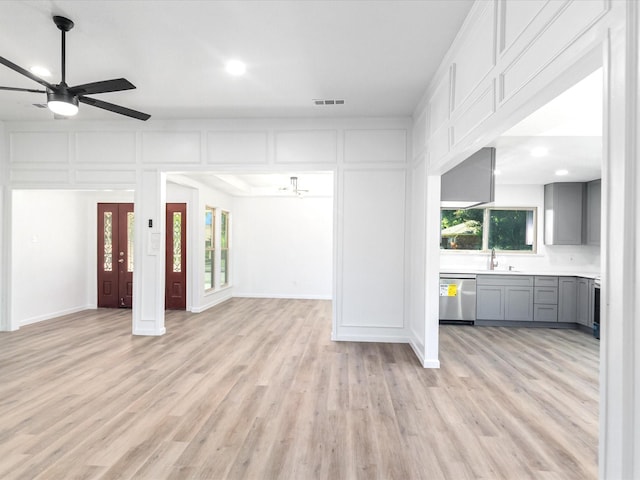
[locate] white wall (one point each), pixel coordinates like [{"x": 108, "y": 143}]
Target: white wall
[
  {"x": 370, "y": 158},
  {"x": 54, "y": 261},
  {"x": 566, "y": 259},
  {"x": 50, "y": 254},
  {"x": 283, "y": 247},
  {"x": 418, "y": 263},
  {"x": 208, "y": 197},
  {"x": 5, "y": 256}
]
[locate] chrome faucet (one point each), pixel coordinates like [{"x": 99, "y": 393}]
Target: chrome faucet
[{"x": 493, "y": 262}]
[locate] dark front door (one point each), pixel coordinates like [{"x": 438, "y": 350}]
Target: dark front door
[
  {"x": 115, "y": 255},
  {"x": 175, "y": 297}
]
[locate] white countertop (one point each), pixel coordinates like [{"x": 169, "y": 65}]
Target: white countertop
[{"x": 552, "y": 273}]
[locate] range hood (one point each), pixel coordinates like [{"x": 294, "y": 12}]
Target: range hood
[{"x": 471, "y": 183}]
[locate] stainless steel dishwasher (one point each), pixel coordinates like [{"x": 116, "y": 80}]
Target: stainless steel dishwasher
[{"x": 458, "y": 298}]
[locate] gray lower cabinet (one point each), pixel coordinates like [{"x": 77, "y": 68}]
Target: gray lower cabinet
[
  {"x": 489, "y": 302},
  {"x": 504, "y": 297},
  {"x": 524, "y": 298},
  {"x": 584, "y": 309},
  {"x": 518, "y": 304},
  {"x": 545, "y": 299},
  {"x": 567, "y": 299}
]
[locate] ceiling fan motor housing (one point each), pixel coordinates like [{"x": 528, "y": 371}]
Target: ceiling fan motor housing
[
  {"x": 61, "y": 96},
  {"x": 63, "y": 23}
]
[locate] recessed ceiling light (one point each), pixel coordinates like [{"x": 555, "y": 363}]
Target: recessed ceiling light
[
  {"x": 40, "y": 71},
  {"x": 562, "y": 172},
  {"x": 539, "y": 152},
  {"x": 236, "y": 68},
  {"x": 497, "y": 172}
]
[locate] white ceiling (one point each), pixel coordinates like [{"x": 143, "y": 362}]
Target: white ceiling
[
  {"x": 569, "y": 127},
  {"x": 377, "y": 55}
]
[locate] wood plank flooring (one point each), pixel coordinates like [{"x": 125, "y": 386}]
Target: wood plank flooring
[{"x": 255, "y": 389}]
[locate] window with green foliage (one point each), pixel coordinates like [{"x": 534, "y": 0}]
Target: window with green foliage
[
  {"x": 224, "y": 248},
  {"x": 482, "y": 229},
  {"x": 209, "y": 247}
]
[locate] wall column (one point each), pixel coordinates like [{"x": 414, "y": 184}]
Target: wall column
[
  {"x": 149, "y": 247},
  {"x": 5, "y": 260},
  {"x": 620, "y": 330},
  {"x": 432, "y": 277}
]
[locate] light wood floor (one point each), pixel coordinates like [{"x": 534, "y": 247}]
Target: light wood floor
[{"x": 255, "y": 389}]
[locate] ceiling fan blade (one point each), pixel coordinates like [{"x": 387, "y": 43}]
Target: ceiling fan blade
[
  {"x": 115, "y": 85},
  {"x": 114, "y": 108},
  {"x": 26, "y": 73},
  {"x": 32, "y": 90}
]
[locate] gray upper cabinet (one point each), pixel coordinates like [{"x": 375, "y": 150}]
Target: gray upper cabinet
[
  {"x": 563, "y": 213},
  {"x": 470, "y": 183},
  {"x": 593, "y": 212}
]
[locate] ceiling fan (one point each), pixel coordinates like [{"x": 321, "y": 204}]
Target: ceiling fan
[
  {"x": 63, "y": 100},
  {"x": 294, "y": 187}
]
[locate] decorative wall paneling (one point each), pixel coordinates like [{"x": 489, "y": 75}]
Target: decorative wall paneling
[
  {"x": 440, "y": 103},
  {"x": 540, "y": 43},
  {"x": 475, "y": 58},
  {"x": 239, "y": 148},
  {"x": 545, "y": 41},
  {"x": 100, "y": 148},
  {"x": 39, "y": 147},
  {"x": 40, "y": 176},
  {"x": 505, "y": 49},
  {"x": 479, "y": 107},
  {"x": 375, "y": 146},
  {"x": 516, "y": 16},
  {"x": 314, "y": 146},
  {"x": 439, "y": 145},
  {"x": 372, "y": 273},
  {"x": 417, "y": 265},
  {"x": 543, "y": 48},
  {"x": 104, "y": 156},
  {"x": 5, "y": 218},
  {"x": 171, "y": 148},
  {"x": 115, "y": 177},
  {"x": 420, "y": 134}
]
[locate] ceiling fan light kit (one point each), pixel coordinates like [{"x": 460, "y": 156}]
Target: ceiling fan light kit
[
  {"x": 64, "y": 100},
  {"x": 62, "y": 103}
]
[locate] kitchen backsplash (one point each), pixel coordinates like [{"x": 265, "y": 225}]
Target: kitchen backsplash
[{"x": 569, "y": 259}]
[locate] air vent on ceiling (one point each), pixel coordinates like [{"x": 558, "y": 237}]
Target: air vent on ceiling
[
  {"x": 40, "y": 105},
  {"x": 328, "y": 102}
]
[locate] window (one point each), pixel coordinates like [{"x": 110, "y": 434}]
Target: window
[
  {"x": 224, "y": 248},
  {"x": 209, "y": 247},
  {"x": 482, "y": 229}
]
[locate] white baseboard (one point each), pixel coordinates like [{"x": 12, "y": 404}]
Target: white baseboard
[
  {"x": 418, "y": 349},
  {"x": 370, "y": 338},
  {"x": 310, "y": 296},
  {"x": 431, "y": 364},
  {"x": 212, "y": 303},
  {"x": 51, "y": 315},
  {"x": 149, "y": 332}
]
